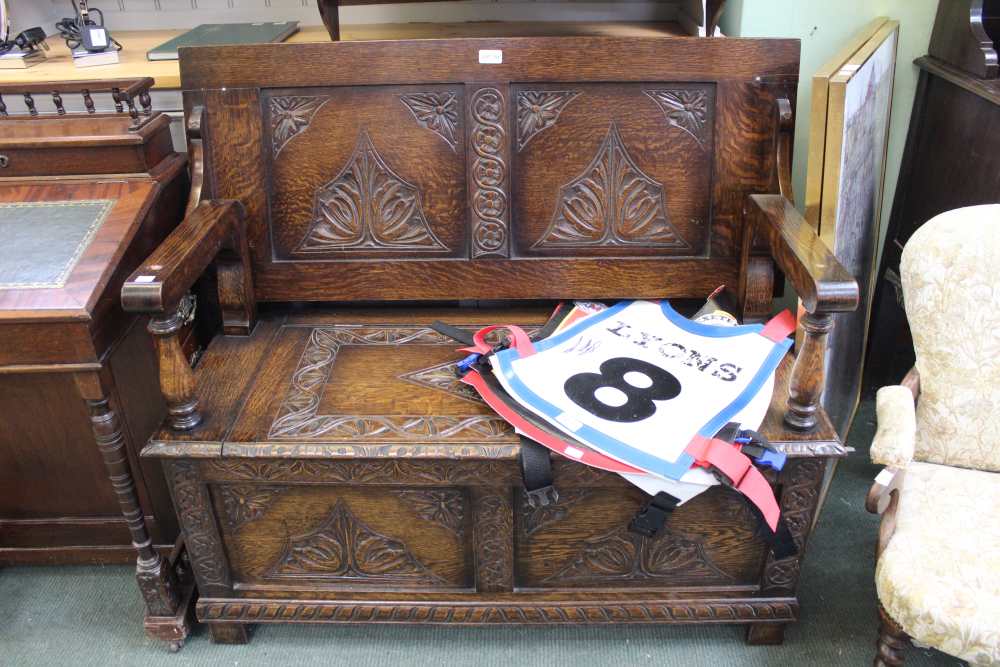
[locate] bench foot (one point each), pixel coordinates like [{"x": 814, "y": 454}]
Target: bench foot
[
  {"x": 765, "y": 634},
  {"x": 229, "y": 633}
]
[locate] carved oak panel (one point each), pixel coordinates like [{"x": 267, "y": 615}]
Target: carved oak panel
[
  {"x": 365, "y": 172},
  {"x": 583, "y": 542},
  {"x": 333, "y": 536},
  {"x": 613, "y": 169}
]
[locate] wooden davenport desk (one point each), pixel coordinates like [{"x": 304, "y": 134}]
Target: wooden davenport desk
[{"x": 83, "y": 199}]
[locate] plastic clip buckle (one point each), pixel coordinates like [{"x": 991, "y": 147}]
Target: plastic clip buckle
[
  {"x": 760, "y": 450},
  {"x": 650, "y": 519},
  {"x": 543, "y": 497},
  {"x": 465, "y": 364}
]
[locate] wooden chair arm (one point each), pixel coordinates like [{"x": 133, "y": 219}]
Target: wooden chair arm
[
  {"x": 166, "y": 276},
  {"x": 883, "y": 498},
  {"x": 822, "y": 283},
  {"x": 214, "y": 230}
]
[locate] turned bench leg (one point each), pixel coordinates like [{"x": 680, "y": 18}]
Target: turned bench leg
[
  {"x": 892, "y": 642},
  {"x": 765, "y": 634},
  {"x": 229, "y": 633}
]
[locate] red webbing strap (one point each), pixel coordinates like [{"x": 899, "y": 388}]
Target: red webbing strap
[
  {"x": 779, "y": 326},
  {"x": 520, "y": 340},
  {"x": 745, "y": 478}
]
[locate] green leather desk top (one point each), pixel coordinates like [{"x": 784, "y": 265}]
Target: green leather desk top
[{"x": 43, "y": 241}]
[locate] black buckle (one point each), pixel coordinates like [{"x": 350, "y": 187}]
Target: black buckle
[
  {"x": 649, "y": 520},
  {"x": 543, "y": 497}
]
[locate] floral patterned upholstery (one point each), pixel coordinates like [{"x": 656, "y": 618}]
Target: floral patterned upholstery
[
  {"x": 952, "y": 293},
  {"x": 939, "y": 578},
  {"x": 894, "y": 441},
  {"x": 939, "y": 575}
]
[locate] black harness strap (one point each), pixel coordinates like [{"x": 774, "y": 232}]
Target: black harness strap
[
  {"x": 650, "y": 520},
  {"x": 461, "y": 335},
  {"x": 536, "y": 473}
]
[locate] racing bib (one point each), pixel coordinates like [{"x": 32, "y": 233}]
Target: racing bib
[{"x": 640, "y": 383}]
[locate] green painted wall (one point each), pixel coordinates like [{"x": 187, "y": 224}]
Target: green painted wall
[{"x": 824, "y": 26}]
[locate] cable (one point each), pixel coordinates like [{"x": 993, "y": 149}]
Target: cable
[{"x": 71, "y": 29}]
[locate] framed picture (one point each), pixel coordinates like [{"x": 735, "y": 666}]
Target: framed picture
[{"x": 844, "y": 199}]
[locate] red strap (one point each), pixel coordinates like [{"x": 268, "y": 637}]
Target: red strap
[
  {"x": 555, "y": 443},
  {"x": 522, "y": 343},
  {"x": 731, "y": 462},
  {"x": 779, "y": 326}
]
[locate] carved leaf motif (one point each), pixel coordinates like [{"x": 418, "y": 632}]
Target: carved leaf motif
[
  {"x": 368, "y": 207},
  {"x": 538, "y": 110},
  {"x": 684, "y": 109},
  {"x": 624, "y": 555},
  {"x": 444, "y": 507},
  {"x": 612, "y": 203},
  {"x": 289, "y": 116},
  {"x": 245, "y": 503},
  {"x": 345, "y": 548},
  {"x": 443, "y": 378},
  {"x": 437, "y": 112},
  {"x": 534, "y": 519}
]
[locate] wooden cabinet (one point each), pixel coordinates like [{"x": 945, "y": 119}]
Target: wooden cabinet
[{"x": 69, "y": 243}]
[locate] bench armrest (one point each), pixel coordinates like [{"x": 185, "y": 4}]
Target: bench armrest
[
  {"x": 214, "y": 230},
  {"x": 820, "y": 280},
  {"x": 166, "y": 276},
  {"x": 823, "y": 285}
]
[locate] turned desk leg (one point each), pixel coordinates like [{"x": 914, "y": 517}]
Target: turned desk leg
[
  {"x": 892, "y": 642},
  {"x": 806, "y": 384},
  {"x": 166, "y": 602}
]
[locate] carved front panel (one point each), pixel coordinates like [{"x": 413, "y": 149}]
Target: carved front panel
[
  {"x": 329, "y": 537},
  {"x": 367, "y": 172},
  {"x": 583, "y": 542},
  {"x": 613, "y": 169}
]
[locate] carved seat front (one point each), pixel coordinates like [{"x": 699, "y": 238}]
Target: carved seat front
[{"x": 325, "y": 461}]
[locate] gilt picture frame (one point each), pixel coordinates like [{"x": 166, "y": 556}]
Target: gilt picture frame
[{"x": 847, "y": 207}]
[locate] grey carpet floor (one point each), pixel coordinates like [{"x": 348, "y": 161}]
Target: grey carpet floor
[{"x": 93, "y": 616}]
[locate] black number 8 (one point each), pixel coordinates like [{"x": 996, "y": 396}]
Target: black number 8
[{"x": 582, "y": 389}]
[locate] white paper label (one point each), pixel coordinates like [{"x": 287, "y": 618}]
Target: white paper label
[
  {"x": 98, "y": 37},
  {"x": 490, "y": 56},
  {"x": 885, "y": 477},
  {"x": 144, "y": 279}
]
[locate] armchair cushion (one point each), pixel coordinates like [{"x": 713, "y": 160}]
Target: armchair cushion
[
  {"x": 937, "y": 577},
  {"x": 897, "y": 425}
]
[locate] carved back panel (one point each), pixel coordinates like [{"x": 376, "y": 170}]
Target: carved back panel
[{"x": 577, "y": 167}]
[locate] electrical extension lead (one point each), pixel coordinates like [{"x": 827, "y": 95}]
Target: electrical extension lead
[{"x": 83, "y": 31}]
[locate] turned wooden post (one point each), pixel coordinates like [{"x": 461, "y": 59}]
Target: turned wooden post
[
  {"x": 177, "y": 380},
  {"x": 157, "y": 581},
  {"x": 808, "y": 373}
]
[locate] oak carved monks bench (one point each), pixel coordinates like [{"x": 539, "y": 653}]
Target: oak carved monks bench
[{"x": 326, "y": 464}]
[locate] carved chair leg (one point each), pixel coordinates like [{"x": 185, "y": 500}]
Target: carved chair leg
[
  {"x": 765, "y": 634},
  {"x": 892, "y": 642},
  {"x": 229, "y": 633},
  {"x": 157, "y": 581}
]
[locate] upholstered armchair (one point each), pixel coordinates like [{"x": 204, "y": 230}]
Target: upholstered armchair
[{"x": 938, "y": 559}]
